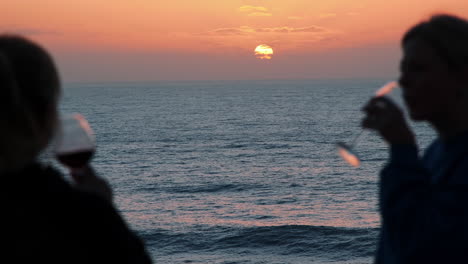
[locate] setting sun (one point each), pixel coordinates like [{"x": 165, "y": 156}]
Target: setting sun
[{"x": 263, "y": 52}]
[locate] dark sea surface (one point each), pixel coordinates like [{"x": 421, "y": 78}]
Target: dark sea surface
[{"x": 239, "y": 171}]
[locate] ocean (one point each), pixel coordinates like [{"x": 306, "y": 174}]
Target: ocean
[{"x": 239, "y": 171}]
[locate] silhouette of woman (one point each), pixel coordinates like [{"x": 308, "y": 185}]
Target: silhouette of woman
[
  {"x": 45, "y": 219},
  {"x": 424, "y": 201}
]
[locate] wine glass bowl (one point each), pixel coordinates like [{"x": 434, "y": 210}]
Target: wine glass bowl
[
  {"x": 346, "y": 152},
  {"x": 386, "y": 89},
  {"x": 75, "y": 143}
]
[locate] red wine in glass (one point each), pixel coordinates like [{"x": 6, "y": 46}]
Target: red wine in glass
[
  {"x": 77, "y": 159},
  {"x": 75, "y": 144}
]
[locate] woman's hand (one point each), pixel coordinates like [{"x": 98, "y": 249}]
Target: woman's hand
[
  {"x": 86, "y": 179},
  {"x": 384, "y": 116}
]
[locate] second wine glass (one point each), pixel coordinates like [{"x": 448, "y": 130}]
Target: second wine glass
[{"x": 346, "y": 151}]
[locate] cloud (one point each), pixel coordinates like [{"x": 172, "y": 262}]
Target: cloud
[
  {"x": 255, "y": 11},
  {"x": 228, "y": 31},
  {"x": 250, "y": 9},
  {"x": 311, "y": 29},
  {"x": 244, "y": 30}
]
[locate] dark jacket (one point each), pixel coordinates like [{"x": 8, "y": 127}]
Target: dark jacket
[
  {"x": 45, "y": 220},
  {"x": 424, "y": 204}
]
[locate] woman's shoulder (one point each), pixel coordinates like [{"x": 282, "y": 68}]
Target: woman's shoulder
[{"x": 434, "y": 147}]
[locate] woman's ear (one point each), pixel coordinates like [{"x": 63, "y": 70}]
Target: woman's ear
[
  {"x": 464, "y": 80},
  {"x": 7, "y": 83}
]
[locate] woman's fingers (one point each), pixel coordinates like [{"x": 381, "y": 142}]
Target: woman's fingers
[
  {"x": 379, "y": 104},
  {"x": 86, "y": 179},
  {"x": 380, "y": 112},
  {"x": 384, "y": 116}
]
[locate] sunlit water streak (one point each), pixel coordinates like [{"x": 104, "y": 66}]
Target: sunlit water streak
[{"x": 239, "y": 171}]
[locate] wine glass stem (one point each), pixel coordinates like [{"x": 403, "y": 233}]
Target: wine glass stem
[{"x": 355, "y": 140}]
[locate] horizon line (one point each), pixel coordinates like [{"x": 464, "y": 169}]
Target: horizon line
[{"x": 230, "y": 80}]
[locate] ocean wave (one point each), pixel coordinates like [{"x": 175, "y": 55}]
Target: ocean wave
[
  {"x": 335, "y": 243},
  {"x": 259, "y": 145},
  {"x": 211, "y": 188},
  {"x": 235, "y": 145}
]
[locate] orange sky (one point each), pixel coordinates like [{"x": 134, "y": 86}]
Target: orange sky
[{"x": 119, "y": 40}]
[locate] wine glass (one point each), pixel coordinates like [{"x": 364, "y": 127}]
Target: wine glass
[
  {"x": 75, "y": 143},
  {"x": 346, "y": 150},
  {"x": 74, "y": 147}
]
